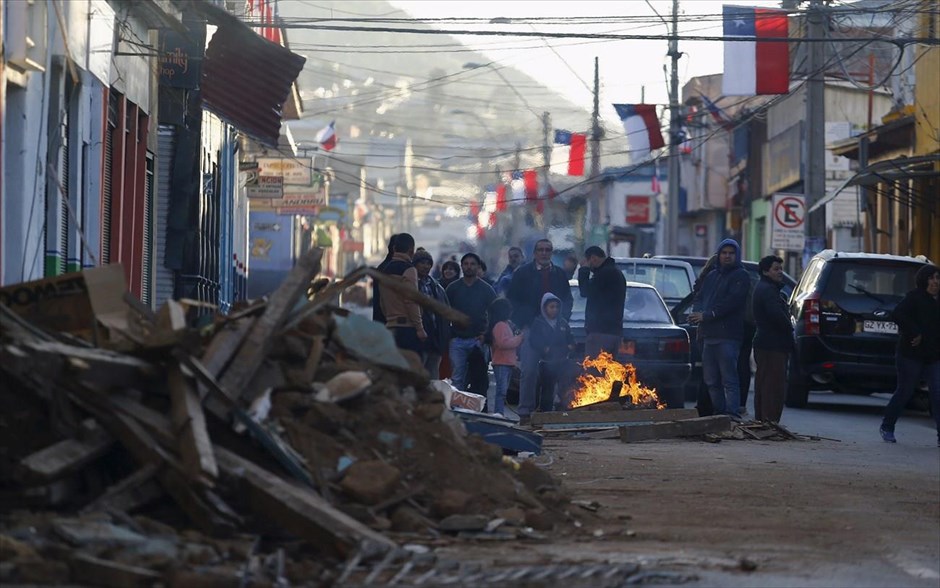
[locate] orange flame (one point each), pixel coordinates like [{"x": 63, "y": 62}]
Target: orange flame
[{"x": 597, "y": 388}]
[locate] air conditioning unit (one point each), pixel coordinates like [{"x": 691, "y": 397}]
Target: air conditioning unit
[{"x": 26, "y": 34}]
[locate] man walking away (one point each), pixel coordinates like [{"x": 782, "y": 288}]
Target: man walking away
[
  {"x": 773, "y": 340},
  {"x": 403, "y": 316},
  {"x": 720, "y": 315},
  {"x": 918, "y": 351},
  {"x": 471, "y": 296},
  {"x": 437, "y": 328},
  {"x": 529, "y": 284},
  {"x": 377, "y": 315},
  {"x": 516, "y": 258},
  {"x": 605, "y": 288}
]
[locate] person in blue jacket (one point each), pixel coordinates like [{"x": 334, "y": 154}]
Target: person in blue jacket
[{"x": 719, "y": 309}]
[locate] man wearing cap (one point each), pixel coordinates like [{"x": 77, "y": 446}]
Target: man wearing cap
[
  {"x": 437, "y": 328},
  {"x": 605, "y": 288},
  {"x": 471, "y": 296},
  {"x": 403, "y": 316}
]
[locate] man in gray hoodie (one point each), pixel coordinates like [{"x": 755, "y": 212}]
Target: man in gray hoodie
[{"x": 719, "y": 308}]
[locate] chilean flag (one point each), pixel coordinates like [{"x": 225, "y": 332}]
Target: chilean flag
[
  {"x": 327, "y": 136},
  {"x": 756, "y": 66},
  {"x": 641, "y": 125},
  {"x": 568, "y": 153}
]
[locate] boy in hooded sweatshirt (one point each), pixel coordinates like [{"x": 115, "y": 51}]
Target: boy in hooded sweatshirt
[{"x": 551, "y": 337}]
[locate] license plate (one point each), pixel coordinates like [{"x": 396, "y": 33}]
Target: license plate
[
  {"x": 628, "y": 347},
  {"x": 880, "y": 327}
]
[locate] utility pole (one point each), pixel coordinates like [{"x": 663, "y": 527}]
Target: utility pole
[
  {"x": 814, "y": 186},
  {"x": 672, "y": 204},
  {"x": 546, "y": 148},
  {"x": 596, "y": 198}
]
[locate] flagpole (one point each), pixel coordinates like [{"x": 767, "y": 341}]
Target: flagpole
[{"x": 672, "y": 204}]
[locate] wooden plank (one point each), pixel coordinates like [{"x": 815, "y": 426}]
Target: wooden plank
[
  {"x": 313, "y": 360},
  {"x": 672, "y": 429},
  {"x": 255, "y": 347},
  {"x": 134, "y": 491},
  {"x": 93, "y": 571},
  {"x": 146, "y": 450},
  {"x": 63, "y": 458},
  {"x": 296, "y": 509},
  {"x": 568, "y": 418},
  {"x": 192, "y": 437}
]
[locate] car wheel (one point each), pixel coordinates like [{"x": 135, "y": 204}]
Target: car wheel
[{"x": 797, "y": 388}]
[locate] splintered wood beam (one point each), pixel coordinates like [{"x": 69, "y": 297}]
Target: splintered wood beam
[
  {"x": 258, "y": 342},
  {"x": 610, "y": 418},
  {"x": 192, "y": 436},
  {"x": 296, "y": 509},
  {"x": 63, "y": 458},
  {"x": 668, "y": 430}
]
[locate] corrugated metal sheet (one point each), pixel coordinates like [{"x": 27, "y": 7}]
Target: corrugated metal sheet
[
  {"x": 246, "y": 80},
  {"x": 163, "y": 276}
]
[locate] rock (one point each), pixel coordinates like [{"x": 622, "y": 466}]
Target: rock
[
  {"x": 429, "y": 412},
  {"x": 197, "y": 578},
  {"x": 514, "y": 516},
  {"x": 10, "y": 548},
  {"x": 43, "y": 572},
  {"x": 347, "y": 385},
  {"x": 451, "y": 502},
  {"x": 539, "y": 520},
  {"x": 198, "y": 553},
  {"x": 460, "y": 522},
  {"x": 370, "y": 482},
  {"x": 406, "y": 519},
  {"x": 535, "y": 478}
]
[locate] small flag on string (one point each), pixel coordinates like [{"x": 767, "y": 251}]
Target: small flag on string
[
  {"x": 641, "y": 124},
  {"x": 568, "y": 153},
  {"x": 327, "y": 136}
]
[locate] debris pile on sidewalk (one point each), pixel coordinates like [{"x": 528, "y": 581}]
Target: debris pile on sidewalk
[{"x": 267, "y": 445}]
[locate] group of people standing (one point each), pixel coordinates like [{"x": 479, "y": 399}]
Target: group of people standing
[{"x": 521, "y": 321}]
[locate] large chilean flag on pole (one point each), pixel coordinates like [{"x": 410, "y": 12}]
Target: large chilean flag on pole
[{"x": 756, "y": 65}]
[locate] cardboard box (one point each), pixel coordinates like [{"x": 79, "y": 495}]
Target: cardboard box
[{"x": 78, "y": 303}]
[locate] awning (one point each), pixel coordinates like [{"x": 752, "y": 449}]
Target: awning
[
  {"x": 246, "y": 79},
  {"x": 891, "y": 170}
]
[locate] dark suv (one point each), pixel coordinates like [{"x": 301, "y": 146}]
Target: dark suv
[{"x": 841, "y": 311}]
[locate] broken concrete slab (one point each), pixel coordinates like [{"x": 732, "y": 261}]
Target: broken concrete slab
[
  {"x": 462, "y": 522},
  {"x": 667, "y": 430},
  {"x": 81, "y": 533},
  {"x": 599, "y": 419}
]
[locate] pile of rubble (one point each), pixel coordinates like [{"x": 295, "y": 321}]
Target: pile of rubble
[{"x": 272, "y": 444}]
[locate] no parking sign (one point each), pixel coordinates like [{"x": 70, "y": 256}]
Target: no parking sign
[{"x": 788, "y": 215}]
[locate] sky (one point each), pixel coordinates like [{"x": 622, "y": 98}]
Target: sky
[{"x": 626, "y": 66}]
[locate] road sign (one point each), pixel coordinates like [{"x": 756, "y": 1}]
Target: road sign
[{"x": 788, "y": 214}]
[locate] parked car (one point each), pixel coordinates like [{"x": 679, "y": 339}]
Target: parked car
[
  {"x": 672, "y": 279},
  {"x": 657, "y": 348},
  {"x": 680, "y": 314},
  {"x": 841, "y": 312}
]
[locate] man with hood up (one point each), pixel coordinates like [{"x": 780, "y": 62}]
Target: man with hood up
[
  {"x": 551, "y": 340},
  {"x": 719, "y": 309}
]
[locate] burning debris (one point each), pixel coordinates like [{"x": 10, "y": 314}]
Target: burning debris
[{"x": 615, "y": 382}]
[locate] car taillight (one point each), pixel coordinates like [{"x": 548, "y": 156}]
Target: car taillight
[
  {"x": 675, "y": 346},
  {"x": 811, "y": 316}
]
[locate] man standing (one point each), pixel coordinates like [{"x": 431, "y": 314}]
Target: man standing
[
  {"x": 471, "y": 296},
  {"x": 377, "y": 315},
  {"x": 516, "y": 257},
  {"x": 772, "y": 341},
  {"x": 403, "y": 316},
  {"x": 529, "y": 284},
  {"x": 720, "y": 315},
  {"x": 605, "y": 288},
  {"x": 437, "y": 328}
]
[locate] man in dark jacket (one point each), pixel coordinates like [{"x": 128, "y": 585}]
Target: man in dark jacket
[
  {"x": 377, "y": 314},
  {"x": 719, "y": 312},
  {"x": 773, "y": 340},
  {"x": 437, "y": 327},
  {"x": 516, "y": 258},
  {"x": 529, "y": 284},
  {"x": 918, "y": 350},
  {"x": 605, "y": 288}
]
